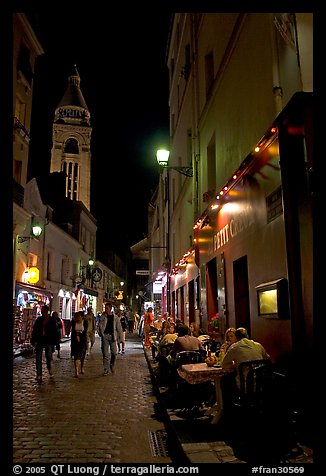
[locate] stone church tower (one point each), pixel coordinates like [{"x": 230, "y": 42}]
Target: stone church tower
[{"x": 71, "y": 138}]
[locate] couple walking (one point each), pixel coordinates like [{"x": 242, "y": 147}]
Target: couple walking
[
  {"x": 109, "y": 329},
  {"x": 45, "y": 334}
]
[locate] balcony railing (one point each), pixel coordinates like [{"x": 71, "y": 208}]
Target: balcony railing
[{"x": 18, "y": 126}]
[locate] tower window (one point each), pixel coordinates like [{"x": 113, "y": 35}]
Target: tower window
[
  {"x": 71, "y": 146},
  {"x": 71, "y": 170}
]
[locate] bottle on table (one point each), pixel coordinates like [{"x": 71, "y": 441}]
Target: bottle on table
[{"x": 221, "y": 356}]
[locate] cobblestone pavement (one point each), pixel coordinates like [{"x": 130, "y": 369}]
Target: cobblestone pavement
[
  {"x": 90, "y": 419},
  {"x": 113, "y": 419}
]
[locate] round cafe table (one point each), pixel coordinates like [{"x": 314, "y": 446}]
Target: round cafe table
[{"x": 199, "y": 373}]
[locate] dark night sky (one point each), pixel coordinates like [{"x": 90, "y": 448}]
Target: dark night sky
[{"x": 124, "y": 80}]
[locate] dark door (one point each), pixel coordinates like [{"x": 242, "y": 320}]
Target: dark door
[
  {"x": 191, "y": 298},
  {"x": 241, "y": 293},
  {"x": 211, "y": 285}
]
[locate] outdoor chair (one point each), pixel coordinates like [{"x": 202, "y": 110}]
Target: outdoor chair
[
  {"x": 164, "y": 367},
  {"x": 191, "y": 397},
  {"x": 259, "y": 409},
  {"x": 255, "y": 385}
]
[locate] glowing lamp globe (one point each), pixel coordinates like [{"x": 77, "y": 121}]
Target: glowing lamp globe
[
  {"x": 33, "y": 275},
  {"x": 162, "y": 156}
]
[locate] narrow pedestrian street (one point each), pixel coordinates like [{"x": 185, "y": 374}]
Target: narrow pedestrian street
[{"x": 89, "y": 419}]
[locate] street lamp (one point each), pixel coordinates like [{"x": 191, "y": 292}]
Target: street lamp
[
  {"x": 162, "y": 156},
  {"x": 88, "y": 268},
  {"x": 36, "y": 232}
]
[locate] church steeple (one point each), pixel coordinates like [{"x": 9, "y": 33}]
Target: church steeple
[
  {"x": 73, "y": 105},
  {"x": 71, "y": 138}
]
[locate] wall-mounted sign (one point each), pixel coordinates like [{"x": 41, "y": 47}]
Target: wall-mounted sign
[
  {"x": 118, "y": 295},
  {"x": 142, "y": 272},
  {"x": 97, "y": 275},
  {"x": 33, "y": 275}
]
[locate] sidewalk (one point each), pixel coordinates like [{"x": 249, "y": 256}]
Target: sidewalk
[{"x": 203, "y": 442}]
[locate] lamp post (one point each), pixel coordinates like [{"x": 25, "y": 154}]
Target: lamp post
[
  {"x": 88, "y": 267},
  {"x": 162, "y": 156}
]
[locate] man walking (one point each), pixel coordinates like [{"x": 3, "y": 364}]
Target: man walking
[
  {"x": 91, "y": 327},
  {"x": 109, "y": 330},
  {"x": 44, "y": 336}
]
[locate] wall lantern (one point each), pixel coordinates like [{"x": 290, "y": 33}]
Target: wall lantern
[
  {"x": 162, "y": 157},
  {"x": 37, "y": 231}
]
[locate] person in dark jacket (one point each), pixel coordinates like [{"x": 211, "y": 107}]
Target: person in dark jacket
[
  {"x": 59, "y": 325},
  {"x": 44, "y": 336},
  {"x": 78, "y": 341},
  {"x": 121, "y": 341}
]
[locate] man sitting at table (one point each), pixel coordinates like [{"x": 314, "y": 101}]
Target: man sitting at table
[
  {"x": 184, "y": 341},
  {"x": 243, "y": 350}
]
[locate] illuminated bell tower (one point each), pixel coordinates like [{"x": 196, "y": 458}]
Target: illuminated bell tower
[{"x": 71, "y": 136}]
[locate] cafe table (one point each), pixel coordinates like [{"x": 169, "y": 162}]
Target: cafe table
[{"x": 199, "y": 373}]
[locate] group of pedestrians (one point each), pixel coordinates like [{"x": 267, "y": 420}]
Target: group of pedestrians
[{"x": 48, "y": 330}]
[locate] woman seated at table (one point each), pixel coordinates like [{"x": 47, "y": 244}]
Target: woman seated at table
[
  {"x": 229, "y": 339},
  {"x": 169, "y": 337},
  {"x": 194, "y": 329},
  {"x": 161, "y": 333}
]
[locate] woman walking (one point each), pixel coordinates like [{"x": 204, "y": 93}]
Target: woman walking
[{"x": 78, "y": 341}]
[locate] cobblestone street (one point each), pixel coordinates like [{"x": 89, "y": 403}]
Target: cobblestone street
[{"x": 90, "y": 419}]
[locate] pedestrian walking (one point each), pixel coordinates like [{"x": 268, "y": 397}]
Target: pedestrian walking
[
  {"x": 91, "y": 328},
  {"x": 109, "y": 329},
  {"x": 44, "y": 336},
  {"x": 122, "y": 336},
  {"x": 148, "y": 323},
  {"x": 131, "y": 321},
  {"x": 141, "y": 326},
  {"x": 78, "y": 341},
  {"x": 59, "y": 327}
]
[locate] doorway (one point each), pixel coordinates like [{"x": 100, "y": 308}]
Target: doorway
[{"x": 241, "y": 293}]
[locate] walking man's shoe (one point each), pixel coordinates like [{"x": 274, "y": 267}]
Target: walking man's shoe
[
  {"x": 112, "y": 368},
  {"x": 106, "y": 372},
  {"x": 39, "y": 378}
]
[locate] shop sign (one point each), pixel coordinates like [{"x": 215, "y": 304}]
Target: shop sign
[
  {"x": 118, "y": 295},
  {"x": 96, "y": 275},
  {"x": 33, "y": 275}
]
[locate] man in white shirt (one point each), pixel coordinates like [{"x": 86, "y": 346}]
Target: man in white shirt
[{"x": 242, "y": 350}]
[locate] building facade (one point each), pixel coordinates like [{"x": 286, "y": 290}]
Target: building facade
[
  {"x": 54, "y": 232},
  {"x": 240, "y": 227}
]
